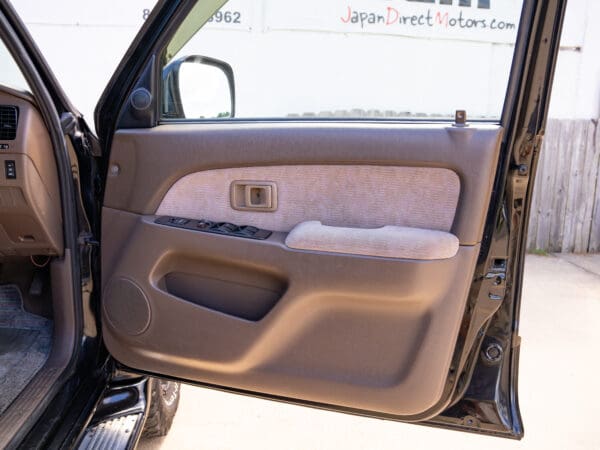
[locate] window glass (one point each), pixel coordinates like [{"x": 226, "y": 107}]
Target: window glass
[
  {"x": 351, "y": 58},
  {"x": 10, "y": 75}
]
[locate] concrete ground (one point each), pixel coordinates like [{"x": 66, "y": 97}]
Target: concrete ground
[{"x": 559, "y": 386}]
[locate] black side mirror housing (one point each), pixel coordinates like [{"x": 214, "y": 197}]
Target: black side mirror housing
[{"x": 198, "y": 87}]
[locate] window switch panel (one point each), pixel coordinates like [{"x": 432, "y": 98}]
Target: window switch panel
[{"x": 224, "y": 228}]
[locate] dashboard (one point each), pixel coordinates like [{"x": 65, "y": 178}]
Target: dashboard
[{"x": 30, "y": 205}]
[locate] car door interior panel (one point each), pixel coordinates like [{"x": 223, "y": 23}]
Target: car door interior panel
[
  {"x": 246, "y": 220},
  {"x": 354, "y": 297}
]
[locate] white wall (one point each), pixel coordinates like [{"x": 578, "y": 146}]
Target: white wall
[
  {"x": 576, "y": 92},
  {"x": 84, "y": 41},
  {"x": 81, "y": 46}
]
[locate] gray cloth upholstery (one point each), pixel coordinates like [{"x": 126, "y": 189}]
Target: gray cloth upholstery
[
  {"x": 389, "y": 241},
  {"x": 347, "y": 196}
]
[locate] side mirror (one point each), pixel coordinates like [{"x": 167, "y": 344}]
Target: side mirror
[{"x": 198, "y": 87}]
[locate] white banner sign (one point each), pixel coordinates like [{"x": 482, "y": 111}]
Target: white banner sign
[
  {"x": 111, "y": 13},
  {"x": 234, "y": 15},
  {"x": 477, "y": 20}
]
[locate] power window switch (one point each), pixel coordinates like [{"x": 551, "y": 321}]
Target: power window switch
[
  {"x": 203, "y": 224},
  {"x": 248, "y": 230},
  {"x": 178, "y": 221},
  {"x": 10, "y": 169}
]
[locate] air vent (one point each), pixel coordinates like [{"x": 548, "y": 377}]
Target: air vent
[{"x": 8, "y": 122}]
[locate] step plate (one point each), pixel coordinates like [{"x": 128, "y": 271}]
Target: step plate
[{"x": 112, "y": 434}]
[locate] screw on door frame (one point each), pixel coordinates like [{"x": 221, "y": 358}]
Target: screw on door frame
[
  {"x": 471, "y": 421},
  {"x": 493, "y": 353},
  {"x": 523, "y": 169}
]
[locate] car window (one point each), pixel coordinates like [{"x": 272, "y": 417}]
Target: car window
[
  {"x": 341, "y": 59},
  {"x": 10, "y": 75}
]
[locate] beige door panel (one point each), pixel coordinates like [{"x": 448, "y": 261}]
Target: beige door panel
[
  {"x": 360, "y": 311},
  {"x": 369, "y": 333}
]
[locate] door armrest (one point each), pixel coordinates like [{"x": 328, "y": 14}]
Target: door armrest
[{"x": 389, "y": 241}]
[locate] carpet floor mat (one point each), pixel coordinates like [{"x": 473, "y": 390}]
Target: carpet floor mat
[{"x": 25, "y": 343}]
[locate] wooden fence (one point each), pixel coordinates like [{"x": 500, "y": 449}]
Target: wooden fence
[{"x": 565, "y": 213}]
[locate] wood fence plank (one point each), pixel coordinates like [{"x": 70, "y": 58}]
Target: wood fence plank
[
  {"x": 547, "y": 177},
  {"x": 565, "y": 209},
  {"x": 534, "y": 211},
  {"x": 573, "y": 193},
  {"x": 588, "y": 190},
  {"x": 594, "y": 242},
  {"x": 580, "y": 204},
  {"x": 562, "y": 155}
]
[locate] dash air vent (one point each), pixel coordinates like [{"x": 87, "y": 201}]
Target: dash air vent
[{"x": 8, "y": 122}]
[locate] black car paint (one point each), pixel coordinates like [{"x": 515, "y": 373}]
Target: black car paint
[{"x": 481, "y": 395}]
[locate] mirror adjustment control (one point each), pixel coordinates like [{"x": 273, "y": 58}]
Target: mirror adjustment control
[
  {"x": 10, "y": 170},
  {"x": 224, "y": 228}
]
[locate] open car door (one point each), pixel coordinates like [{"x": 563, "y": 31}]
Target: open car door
[{"x": 370, "y": 265}]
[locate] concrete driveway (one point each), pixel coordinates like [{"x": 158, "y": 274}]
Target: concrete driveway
[{"x": 559, "y": 387}]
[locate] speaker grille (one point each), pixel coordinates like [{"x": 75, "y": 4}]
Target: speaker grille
[
  {"x": 126, "y": 306},
  {"x": 9, "y": 116}
]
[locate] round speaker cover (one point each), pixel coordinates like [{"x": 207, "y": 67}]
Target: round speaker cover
[
  {"x": 141, "y": 99},
  {"x": 126, "y": 307}
]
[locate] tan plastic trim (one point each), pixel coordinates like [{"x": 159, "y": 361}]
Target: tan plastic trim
[
  {"x": 257, "y": 196},
  {"x": 359, "y": 332},
  {"x": 30, "y": 205}
]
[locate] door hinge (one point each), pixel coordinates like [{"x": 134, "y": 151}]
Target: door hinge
[
  {"x": 78, "y": 132},
  {"x": 495, "y": 285},
  {"x": 524, "y": 153}
]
